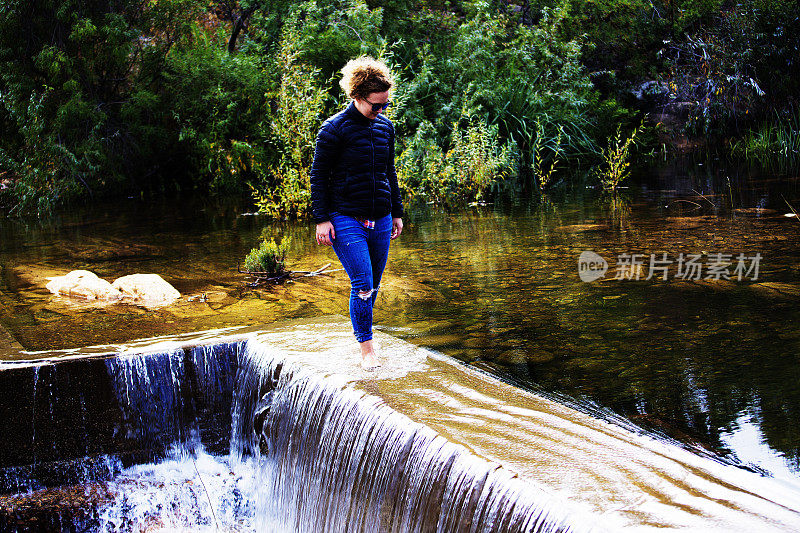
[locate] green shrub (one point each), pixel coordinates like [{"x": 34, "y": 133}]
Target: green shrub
[
  {"x": 509, "y": 74},
  {"x": 474, "y": 163},
  {"x": 616, "y": 160},
  {"x": 219, "y": 111},
  {"x": 268, "y": 257},
  {"x": 284, "y": 189},
  {"x": 45, "y": 172}
]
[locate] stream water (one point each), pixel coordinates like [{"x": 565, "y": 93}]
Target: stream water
[
  {"x": 714, "y": 363},
  {"x": 301, "y": 450}
]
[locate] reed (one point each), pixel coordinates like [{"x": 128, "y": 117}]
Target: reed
[
  {"x": 775, "y": 141},
  {"x": 616, "y": 160},
  {"x": 544, "y": 176}
]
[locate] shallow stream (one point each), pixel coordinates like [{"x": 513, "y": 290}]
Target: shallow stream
[{"x": 714, "y": 363}]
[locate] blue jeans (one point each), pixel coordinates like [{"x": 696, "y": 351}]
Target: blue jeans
[{"x": 363, "y": 253}]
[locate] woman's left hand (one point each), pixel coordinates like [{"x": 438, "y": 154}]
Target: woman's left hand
[{"x": 397, "y": 227}]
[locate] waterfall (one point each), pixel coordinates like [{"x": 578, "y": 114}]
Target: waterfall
[
  {"x": 310, "y": 452},
  {"x": 179, "y": 397},
  {"x": 335, "y": 459},
  {"x": 265, "y": 435},
  {"x": 150, "y": 391}
]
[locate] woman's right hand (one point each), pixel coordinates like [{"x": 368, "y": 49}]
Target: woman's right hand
[{"x": 325, "y": 233}]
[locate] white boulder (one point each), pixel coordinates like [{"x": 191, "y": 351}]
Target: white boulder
[
  {"x": 148, "y": 288},
  {"x": 83, "y": 284}
]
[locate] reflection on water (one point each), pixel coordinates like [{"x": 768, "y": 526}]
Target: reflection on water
[
  {"x": 713, "y": 363},
  {"x": 745, "y": 436}
]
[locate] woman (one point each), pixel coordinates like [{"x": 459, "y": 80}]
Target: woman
[{"x": 354, "y": 194}]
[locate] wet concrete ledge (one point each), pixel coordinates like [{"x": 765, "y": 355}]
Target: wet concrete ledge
[
  {"x": 8, "y": 344},
  {"x": 629, "y": 481},
  {"x": 68, "y": 424}
]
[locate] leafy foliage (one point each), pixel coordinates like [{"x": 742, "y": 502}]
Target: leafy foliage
[
  {"x": 512, "y": 75},
  {"x": 285, "y": 189},
  {"x": 735, "y": 63},
  {"x": 220, "y": 108},
  {"x": 474, "y": 163},
  {"x": 268, "y": 257},
  {"x": 69, "y": 69},
  {"x": 132, "y": 97},
  {"x": 616, "y": 160}
]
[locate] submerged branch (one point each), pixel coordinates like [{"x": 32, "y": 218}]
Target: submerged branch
[
  {"x": 796, "y": 216},
  {"x": 688, "y": 202},
  {"x": 701, "y": 195},
  {"x": 274, "y": 277}
]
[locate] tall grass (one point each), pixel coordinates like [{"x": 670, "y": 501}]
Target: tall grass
[
  {"x": 775, "y": 141},
  {"x": 545, "y": 175}
]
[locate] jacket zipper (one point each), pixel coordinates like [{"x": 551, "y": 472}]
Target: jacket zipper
[{"x": 372, "y": 142}]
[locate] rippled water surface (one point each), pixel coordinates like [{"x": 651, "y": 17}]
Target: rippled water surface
[{"x": 714, "y": 363}]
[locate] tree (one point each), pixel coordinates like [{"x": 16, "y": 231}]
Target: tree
[{"x": 239, "y": 14}]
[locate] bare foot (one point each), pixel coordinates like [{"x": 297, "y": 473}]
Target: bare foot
[{"x": 369, "y": 361}]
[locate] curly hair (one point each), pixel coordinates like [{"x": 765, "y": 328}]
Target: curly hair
[{"x": 365, "y": 75}]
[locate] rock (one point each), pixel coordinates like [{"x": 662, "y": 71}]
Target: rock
[
  {"x": 679, "y": 110},
  {"x": 148, "y": 288},
  {"x": 83, "y": 284},
  {"x": 652, "y": 92},
  {"x": 582, "y": 227},
  {"x": 440, "y": 341},
  {"x": 99, "y": 250},
  {"x": 539, "y": 356},
  {"x": 476, "y": 341},
  {"x": 512, "y": 357},
  {"x": 686, "y": 222},
  {"x": 777, "y": 289}
]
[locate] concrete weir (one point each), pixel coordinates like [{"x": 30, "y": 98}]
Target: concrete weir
[{"x": 312, "y": 443}]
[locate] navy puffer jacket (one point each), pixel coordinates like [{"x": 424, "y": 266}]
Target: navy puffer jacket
[{"x": 353, "y": 171}]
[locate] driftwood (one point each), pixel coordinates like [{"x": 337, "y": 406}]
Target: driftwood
[{"x": 271, "y": 277}]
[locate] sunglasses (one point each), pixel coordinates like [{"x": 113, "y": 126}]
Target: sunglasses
[{"x": 378, "y": 107}]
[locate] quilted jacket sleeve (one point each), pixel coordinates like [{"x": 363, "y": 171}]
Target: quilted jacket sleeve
[
  {"x": 325, "y": 153},
  {"x": 397, "y": 201}
]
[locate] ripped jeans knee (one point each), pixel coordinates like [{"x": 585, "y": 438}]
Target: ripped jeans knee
[
  {"x": 361, "y": 286},
  {"x": 366, "y": 295},
  {"x": 361, "y": 303},
  {"x": 370, "y": 294}
]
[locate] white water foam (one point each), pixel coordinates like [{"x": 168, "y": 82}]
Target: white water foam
[{"x": 190, "y": 491}]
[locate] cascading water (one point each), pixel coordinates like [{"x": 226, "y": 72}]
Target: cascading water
[
  {"x": 149, "y": 390},
  {"x": 337, "y": 460},
  {"x": 332, "y": 458},
  {"x": 190, "y": 491},
  {"x": 308, "y": 453},
  {"x": 182, "y": 396},
  {"x": 274, "y": 433}
]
